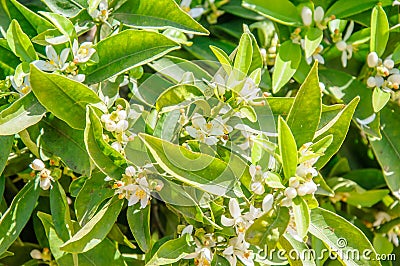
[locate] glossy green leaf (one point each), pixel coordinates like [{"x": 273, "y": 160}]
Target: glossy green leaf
[
  {"x": 387, "y": 150},
  {"x": 268, "y": 229},
  {"x": 379, "y": 30},
  {"x": 218, "y": 260},
  {"x": 21, "y": 114},
  {"x": 223, "y": 58},
  {"x": 288, "y": 242},
  {"x": 17, "y": 215},
  {"x": 338, "y": 128},
  {"x": 107, "y": 159},
  {"x": 163, "y": 14},
  {"x": 287, "y": 149},
  {"x": 312, "y": 40},
  {"x": 20, "y": 43},
  {"x": 60, "y": 212},
  {"x": 63, "y": 24},
  {"x": 379, "y": 99},
  {"x": 66, "y": 8},
  {"x": 305, "y": 113},
  {"x": 345, "y": 8},
  {"x": 176, "y": 95},
  {"x": 171, "y": 251},
  {"x": 301, "y": 214},
  {"x": 8, "y": 60},
  {"x": 287, "y": 61},
  {"x": 132, "y": 48},
  {"x": 200, "y": 170},
  {"x": 65, "y": 142},
  {"x": 88, "y": 200},
  {"x": 139, "y": 223},
  {"x": 339, "y": 234},
  {"x": 243, "y": 56},
  {"x": 6, "y": 142},
  {"x": 92, "y": 233},
  {"x": 283, "y": 12},
  {"x": 65, "y": 98},
  {"x": 31, "y": 22}
]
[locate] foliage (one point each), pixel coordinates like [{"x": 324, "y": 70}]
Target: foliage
[{"x": 145, "y": 132}]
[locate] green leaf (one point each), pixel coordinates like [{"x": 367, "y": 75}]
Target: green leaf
[
  {"x": 223, "y": 58},
  {"x": 312, "y": 40},
  {"x": 22, "y": 114},
  {"x": 107, "y": 159},
  {"x": 18, "y": 213},
  {"x": 92, "y": 233},
  {"x": 88, "y": 200},
  {"x": 287, "y": 61},
  {"x": 132, "y": 48},
  {"x": 65, "y": 142},
  {"x": 387, "y": 150},
  {"x": 171, "y": 251},
  {"x": 379, "y": 30},
  {"x": 176, "y": 95},
  {"x": 301, "y": 214},
  {"x": 60, "y": 212},
  {"x": 218, "y": 260},
  {"x": 339, "y": 234},
  {"x": 8, "y": 60},
  {"x": 287, "y": 149},
  {"x": 31, "y": 22},
  {"x": 382, "y": 244},
  {"x": 366, "y": 198},
  {"x": 283, "y": 12},
  {"x": 249, "y": 112},
  {"x": 289, "y": 243},
  {"x": 345, "y": 8},
  {"x": 63, "y": 24},
  {"x": 305, "y": 113},
  {"x": 20, "y": 43},
  {"x": 338, "y": 128},
  {"x": 199, "y": 170},
  {"x": 66, "y": 8},
  {"x": 139, "y": 223},
  {"x": 268, "y": 229},
  {"x": 163, "y": 14},
  {"x": 243, "y": 55},
  {"x": 65, "y": 98},
  {"x": 379, "y": 99},
  {"x": 6, "y": 143}
]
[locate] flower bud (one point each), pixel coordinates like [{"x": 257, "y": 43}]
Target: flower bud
[
  {"x": 302, "y": 190},
  {"x": 372, "y": 59},
  {"x": 306, "y": 15},
  {"x": 121, "y": 126},
  {"x": 116, "y": 146},
  {"x": 388, "y": 63},
  {"x": 36, "y": 254},
  {"x": 37, "y": 165},
  {"x": 130, "y": 171},
  {"x": 290, "y": 193},
  {"x": 110, "y": 126},
  {"x": 371, "y": 82},
  {"x": 105, "y": 118},
  {"x": 311, "y": 187},
  {"x": 257, "y": 188},
  {"x": 319, "y": 14},
  {"x": 122, "y": 115}
]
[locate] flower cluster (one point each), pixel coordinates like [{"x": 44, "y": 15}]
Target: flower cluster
[
  {"x": 386, "y": 77},
  {"x": 319, "y": 17},
  {"x": 117, "y": 123},
  {"x": 101, "y": 12},
  {"x": 342, "y": 43},
  {"x": 135, "y": 185},
  {"x": 44, "y": 174}
]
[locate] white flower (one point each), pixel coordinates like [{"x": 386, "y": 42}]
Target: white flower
[
  {"x": 22, "y": 85},
  {"x": 37, "y": 165},
  {"x": 83, "y": 52},
  {"x": 45, "y": 179},
  {"x": 257, "y": 179},
  {"x": 193, "y": 12},
  {"x": 346, "y": 49},
  {"x": 394, "y": 80},
  {"x": 208, "y": 132},
  {"x": 306, "y": 16},
  {"x": 202, "y": 254},
  {"x": 396, "y": 3},
  {"x": 319, "y": 14},
  {"x": 388, "y": 63},
  {"x": 249, "y": 91},
  {"x": 238, "y": 220},
  {"x": 393, "y": 235},
  {"x": 122, "y": 114},
  {"x": 381, "y": 218},
  {"x": 110, "y": 126},
  {"x": 55, "y": 62},
  {"x": 316, "y": 54},
  {"x": 130, "y": 171},
  {"x": 101, "y": 12},
  {"x": 121, "y": 126},
  {"x": 290, "y": 192},
  {"x": 372, "y": 59},
  {"x": 138, "y": 192},
  {"x": 238, "y": 248}
]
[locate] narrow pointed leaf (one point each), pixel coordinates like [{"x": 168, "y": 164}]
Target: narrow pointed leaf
[
  {"x": 139, "y": 223},
  {"x": 379, "y": 30},
  {"x": 287, "y": 149}
]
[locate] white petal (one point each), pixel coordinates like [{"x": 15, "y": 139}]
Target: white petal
[
  {"x": 211, "y": 140},
  {"x": 51, "y": 53},
  {"x": 37, "y": 165},
  {"x": 234, "y": 208},
  {"x": 306, "y": 16},
  {"x": 187, "y": 230},
  {"x": 64, "y": 56},
  {"x": 133, "y": 200},
  {"x": 349, "y": 31},
  {"x": 143, "y": 202},
  {"x": 196, "y": 12},
  {"x": 225, "y": 221},
  {"x": 344, "y": 59},
  {"x": 319, "y": 14},
  {"x": 198, "y": 121},
  {"x": 267, "y": 203},
  {"x": 44, "y": 65}
]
